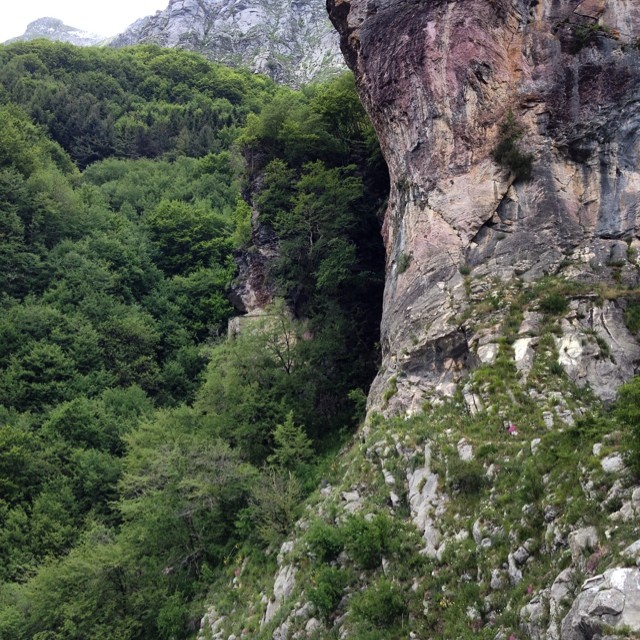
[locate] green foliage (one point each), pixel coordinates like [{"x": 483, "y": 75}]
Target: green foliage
[
  {"x": 508, "y": 152},
  {"x": 320, "y": 184},
  {"x": 275, "y": 197},
  {"x": 328, "y": 585},
  {"x": 404, "y": 260},
  {"x": 632, "y": 316},
  {"x": 554, "y": 304},
  {"x": 182, "y": 491},
  {"x": 274, "y": 507},
  {"x": 242, "y": 221},
  {"x": 627, "y": 411},
  {"x": 254, "y": 381},
  {"x": 187, "y": 237},
  {"x": 120, "y": 502},
  {"x": 467, "y": 477},
  {"x": 325, "y": 541},
  {"x": 586, "y": 33},
  {"x": 137, "y": 102},
  {"x": 367, "y": 541},
  {"x": 292, "y": 447},
  {"x": 381, "y": 605},
  {"x": 391, "y": 390}
]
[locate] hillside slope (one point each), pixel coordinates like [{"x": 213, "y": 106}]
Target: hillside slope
[{"x": 509, "y": 511}]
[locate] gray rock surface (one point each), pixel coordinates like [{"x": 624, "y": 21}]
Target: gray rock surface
[
  {"x": 438, "y": 80},
  {"x": 58, "y": 31},
  {"x": 608, "y": 601},
  {"x": 285, "y": 582},
  {"x": 582, "y": 540},
  {"x": 252, "y": 288},
  {"x": 292, "y": 42},
  {"x": 612, "y": 463},
  {"x": 424, "y": 499},
  {"x": 596, "y": 348}
]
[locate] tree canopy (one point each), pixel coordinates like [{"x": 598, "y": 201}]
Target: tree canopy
[{"x": 139, "y": 447}]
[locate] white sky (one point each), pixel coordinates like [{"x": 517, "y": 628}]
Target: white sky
[{"x": 104, "y": 17}]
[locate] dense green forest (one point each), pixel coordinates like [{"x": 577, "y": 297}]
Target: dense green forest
[{"x": 140, "y": 449}]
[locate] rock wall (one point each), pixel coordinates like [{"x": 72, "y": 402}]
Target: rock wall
[
  {"x": 439, "y": 80},
  {"x": 292, "y": 42}
]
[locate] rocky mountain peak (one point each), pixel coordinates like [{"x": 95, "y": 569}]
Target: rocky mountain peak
[
  {"x": 58, "y": 31},
  {"x": 292, "y": 42}
]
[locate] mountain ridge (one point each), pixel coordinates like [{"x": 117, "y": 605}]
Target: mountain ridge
[
  {"x": 293, "y": 43},
  {"x": 56, "y": 30}
]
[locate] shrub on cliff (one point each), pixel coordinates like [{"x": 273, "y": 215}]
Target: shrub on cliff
[
  {"x": 327, "y": 589},
  {"x": 627, "y": 411},
  {"x": 508, "y": 153},
  {"x": 381, "y": 605}
]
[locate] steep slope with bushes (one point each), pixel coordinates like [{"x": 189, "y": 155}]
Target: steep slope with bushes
[{"x": 140, "y": 447}]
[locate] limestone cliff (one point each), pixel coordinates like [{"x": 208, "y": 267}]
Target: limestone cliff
[
  {"x": 512, "y": 134},
  {"x": 442, "y": 81},
  {"x": 292, "y": 42}
]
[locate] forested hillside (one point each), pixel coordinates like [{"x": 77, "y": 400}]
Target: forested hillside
[{"x": 140, "y": 449}]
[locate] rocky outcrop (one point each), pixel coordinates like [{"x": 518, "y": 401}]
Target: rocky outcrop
[
  {"x": 58, "y": 31},
  {"x": 292, "y": 42},
  {"x": 252, "y": 290},
  {"x": 445, "y": 83},
  {"x": 426, "y": 503},
  {"x": 596, "y": 348},
  {"x": 607, "y": 602}
]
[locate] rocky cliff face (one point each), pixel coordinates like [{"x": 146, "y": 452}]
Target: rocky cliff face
[
  {"x": 512, "y": 134},
  {"x": 293, "y": 41},
  {"x": 445, "y": 84},
  {"x": 58, "y": 31}
]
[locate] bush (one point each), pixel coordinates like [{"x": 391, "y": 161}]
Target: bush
[
  {"x": 367, "y": 542},
  {"x": 586, "y": 34},
  {"x": 274, "y": 506},
  {"x": 380, "y": 606},
  {"x": 632, "y": 316},
  {"x": 328, "y": 586},
  {"x": 627, "y": 411},
  {"x": 292, "y": 447},
  {"x": 325, "y": 541},
  {"x": 404, "y": 260},
  {"x": 508, "y": 152},
  {"x": 554, "y": 304},
  {"x": 466, "y": 477}
]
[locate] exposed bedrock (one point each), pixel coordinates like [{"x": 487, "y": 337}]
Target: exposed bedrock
[{"x": 439, "y": 79}]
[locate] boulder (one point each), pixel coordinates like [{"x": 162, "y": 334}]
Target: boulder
[{"x": 606, "y": 602}]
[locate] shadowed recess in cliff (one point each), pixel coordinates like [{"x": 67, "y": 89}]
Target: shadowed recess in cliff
[{"x": 317, "y": 185}]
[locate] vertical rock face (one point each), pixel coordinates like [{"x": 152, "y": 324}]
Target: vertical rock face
[
  {"x": 291, "y": 41},
  {"x": 439, "y": 80}
]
